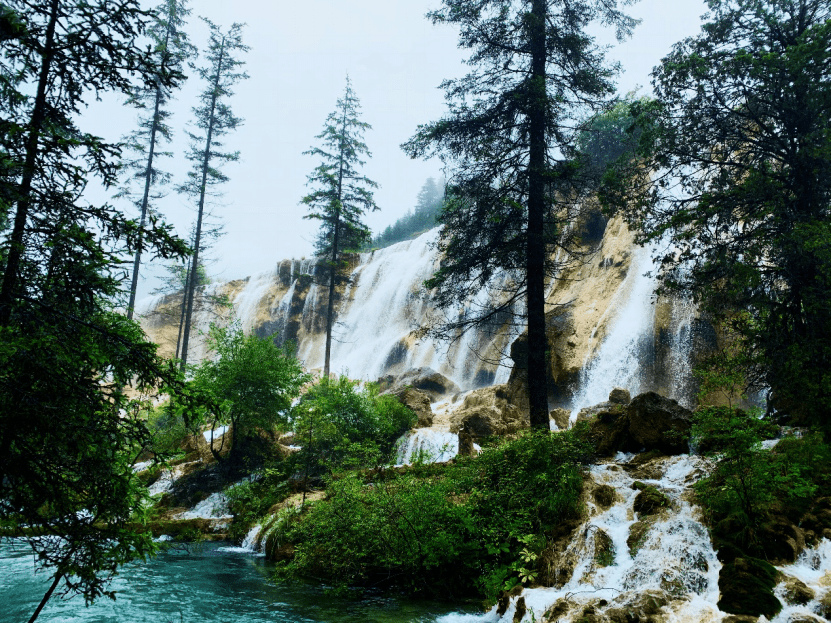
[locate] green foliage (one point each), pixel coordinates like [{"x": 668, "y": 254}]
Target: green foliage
[
  {"x": 472, "y": 526},
  {"x": 609, "y": 136},
  {"x": 68, "y": 431},
  {"x": 339, "y": 425},
  {"x": 250, "y": 500},
  {"x": 749, "y": 484},
  {"x": 249, "y": 383}
]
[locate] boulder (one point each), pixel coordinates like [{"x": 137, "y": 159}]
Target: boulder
[
  {"x": 560, "y": 417},
  {"x": 605, "y": 411},
  {"x": 650, "y": 501},
  {"x": 486, "y": 412},
  {"x": 620, "y": 396},
  {"x": 466, "y": 443},
  {"x": 797, "y": 592},
  {"x": 419, "y": 403},
  {"x": 643, "y": 608},
  {"x": 746, "y": 587},
  {"x": 604, "y": 496},
  {"x": 638, "y": 532},
  {"x": 781, "y": 541},
  {"x": 825, "y": 605},
  {"x": 611, "y": 435},
  {"x": 657, "y": 422},
  {"x": 426, "y": 380}
]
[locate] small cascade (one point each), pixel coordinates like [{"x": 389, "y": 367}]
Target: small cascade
[
  {"x": 251, "y": 542},
  {"x": 681, "y": 381},
  {"x": 427, "y": 445},
  {"x": 814, "y": 569},
  {"x": 673, "y": 557},
  {"x": 215, "y": 506}
]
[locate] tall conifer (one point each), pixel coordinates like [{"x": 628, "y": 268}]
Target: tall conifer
[
  {"x": 172, "y": 48},
  {"x": 509, "y": 138},
  {"x": 341, "y": 196},
  {"x": 214, "y": 120}
]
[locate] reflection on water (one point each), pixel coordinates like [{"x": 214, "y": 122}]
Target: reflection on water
[{"x": 213, "y": 584}]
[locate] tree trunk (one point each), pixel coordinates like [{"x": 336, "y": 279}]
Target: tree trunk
[
  {"x": 184, "y": 309},
  {"x": 330, "y": 310},
  {"x": 8, "y": 290},
  {"x": 198, "y": 237},
  {"x": 535, "y": 259},
  {"x": 46, "y": 597}
]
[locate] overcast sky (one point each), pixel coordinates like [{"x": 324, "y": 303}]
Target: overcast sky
[{"x": 300, "y": 55}]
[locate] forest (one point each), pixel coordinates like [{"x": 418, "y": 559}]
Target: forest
[{"x": 442, "y": 442}]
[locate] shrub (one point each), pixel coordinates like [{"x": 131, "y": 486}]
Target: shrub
[{"x": 476, "y": 525}]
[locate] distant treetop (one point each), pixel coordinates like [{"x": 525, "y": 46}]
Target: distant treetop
[{"x": 421, "y": 218}]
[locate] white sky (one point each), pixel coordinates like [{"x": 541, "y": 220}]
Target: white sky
[{"x": 300, "y": 55}]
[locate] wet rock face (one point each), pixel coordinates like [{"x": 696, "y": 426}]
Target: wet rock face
[
  {"x": 434, "y": 384},
  {"x": 657, "y": 422},
  {"x": 797, "y": 592},
  {"x": 419, "y": 403},
  {"x": 746, "y": 587},
  {"x": 487, "y": 412},
  {"x": 650, "y": 501}
]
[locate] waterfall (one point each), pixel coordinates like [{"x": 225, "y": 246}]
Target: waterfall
[
  {"x": 616, "y": 362},
  {"x": 428, "y": 445}
]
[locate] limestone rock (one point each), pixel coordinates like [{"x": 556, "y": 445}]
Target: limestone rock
[
  {"x": 656, "y": 422},
  {"x": 643, "y": 608},
  {"x": 604, "y": 496},
  {"x": 606, "y": 411},
  {"x": 560, "y": 417},
  {"x": 825, "y": 605},
  {"x": 487, "y": 412},
  {"x": 797, "y": 592},
  {"x": 466, "y": 443},
  {"x": 650, "y": 501},
  {"x": 740, "y": 618},
  {"x": 620, "y": 396},
  {"x": 426, "y": 380},
  {"x": 782, "y": 541},
  {"x": 419, "y": 403},
  {"x": 746, "y": 587}
]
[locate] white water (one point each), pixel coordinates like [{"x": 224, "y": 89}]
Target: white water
[
  {"x": 215, "y": 506},
  {"x": 814, "y": 568},
  {"x": 427, "y": 445},
  {"x": 676, "y": 555},
  {"x": 616, "y": 362}
]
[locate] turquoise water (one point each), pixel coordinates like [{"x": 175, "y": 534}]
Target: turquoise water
[{"x": 214, "y": 584}]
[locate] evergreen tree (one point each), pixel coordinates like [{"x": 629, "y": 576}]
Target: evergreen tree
[
  {"x": 738, "y": 150},
  {"x": 214, "y": 119},
  {"x": 341, "y": 196},
  {"x": 171, "y": 45},
  {"x": 68, "y": 432},
  {"x": 510, "y": 135}
]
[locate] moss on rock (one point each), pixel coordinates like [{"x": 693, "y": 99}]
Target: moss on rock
[{"x": 746, "y": 587}]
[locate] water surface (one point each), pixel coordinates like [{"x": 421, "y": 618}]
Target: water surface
[{"x": 213, "y": 584}]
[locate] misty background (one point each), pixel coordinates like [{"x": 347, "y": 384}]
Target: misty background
[{"x": 299, "y": 58}]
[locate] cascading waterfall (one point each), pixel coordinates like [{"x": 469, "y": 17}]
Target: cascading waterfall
[{"x": 616, "y": 362}]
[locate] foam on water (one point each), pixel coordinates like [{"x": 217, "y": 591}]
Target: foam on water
[{"x": 215, "y": 506}]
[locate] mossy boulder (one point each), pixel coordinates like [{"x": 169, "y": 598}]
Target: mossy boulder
[
  {"x": 604, "y": 496},
  {"x": 650, "y": 501},
  {"x": 797, "y": 592},
  {"x": 418, "y": 402},
  {"x": 638, "y": 533},
  {"x": 657, "y": 422},
  {"x": 746, "y": 587}
]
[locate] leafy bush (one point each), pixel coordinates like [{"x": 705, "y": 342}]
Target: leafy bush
[
  {"x": 339, "y": 425},
  {"x": 749, "y": 484},
  {"x": 476, "y": 525}
]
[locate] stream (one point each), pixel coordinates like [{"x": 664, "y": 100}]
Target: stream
[{"x": 213, "y": 583}]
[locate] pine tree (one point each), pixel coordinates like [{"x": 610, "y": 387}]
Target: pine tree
[
  {"x": 510, "y": 136},
  {"x": 214, "y": 119},
  {"x": 171, "y": 46},
  {"x": 342, "y": 195},
  {"x": 68, "y": 432}
]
